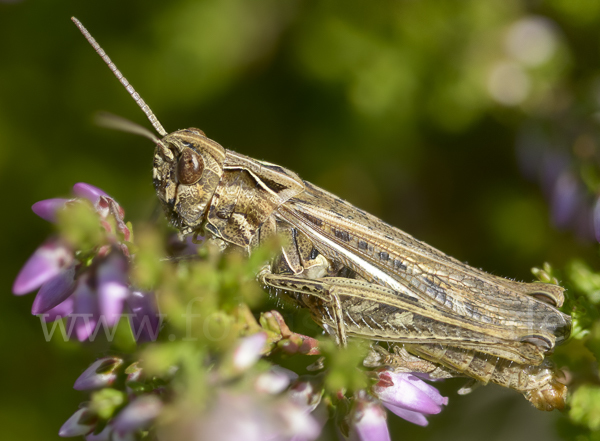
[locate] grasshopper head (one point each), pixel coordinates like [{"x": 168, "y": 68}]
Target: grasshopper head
[
  {"x": 187, "y": 165},
  {"x": 187, "y": 169}
]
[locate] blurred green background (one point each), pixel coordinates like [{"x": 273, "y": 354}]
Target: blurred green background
[{"x": 409, "y": 109}]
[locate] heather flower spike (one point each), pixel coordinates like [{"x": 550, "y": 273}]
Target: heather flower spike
[
  {"x": 408, "y": 396},
  {"x": 92, "y": 287}
]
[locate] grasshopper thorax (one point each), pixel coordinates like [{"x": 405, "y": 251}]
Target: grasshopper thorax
[{"x": 187, "y": 169}]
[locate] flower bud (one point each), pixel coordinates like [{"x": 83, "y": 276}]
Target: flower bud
[{"x": 101, "y": 373}]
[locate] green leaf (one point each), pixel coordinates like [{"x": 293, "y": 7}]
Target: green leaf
[
  {"x": 79, "y": 225},
  {"x": 593, "y": 340},
  {"x": 343, "y": 366},
  {"x": 585, "y": 280},
  {"x": 107, "y": 401},
  {"x": 585, "y": 406}
]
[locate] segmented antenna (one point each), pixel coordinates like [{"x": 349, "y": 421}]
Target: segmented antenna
[
  {"x": 115, "y": 122},
  {"x": 140, "y": 102}
]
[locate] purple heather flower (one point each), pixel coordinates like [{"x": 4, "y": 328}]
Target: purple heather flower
[
  {"x": 48, "y": 208},
  {"x": 368, "y": 421},
  {"x": 275, "y": 380},
  {"x": 81, "y": 422},
  {"x": 85, "y": 314},
  {"x": 101, "y": 373},
  {"x": 251, "y": 417},
  {"x": 61, "y": 310},
  {"x": 298, "y": 423},
  {"x": 137, "y": 415},
  {"x": 104, "y": 435},
  {"x": 307, "y": 392},
  {"x": 109, "y": 434},
  {"x": 145, "y": 319},
  {"x": 45, "y": 264},
  {"x": 584, "y": 221},
  {"x": 91, "y": 193},
  {"x": 408, "y": 396},
  {"x": 248, "y": 351},
  {"x": 134, "y": 373},
  {"x": 565, "y": 200},
  {"x": 113, "y": 287},
  {"x": 596, "y": 218},
  {"x": 553, "y": 164},
  {"x": 55, "y": 291}
]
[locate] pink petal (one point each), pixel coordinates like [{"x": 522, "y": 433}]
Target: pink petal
[
  {"x": 566, "y": 197},
  {"x": 275, "y": 380},
  {"x": 80, "y": 423},
  {"x": 54, "y": 291},
  {"x": 59, "y": 311},
  {"x": 85, "y": 316},
  {"x": 297, "y": 421},
  {"x": 45, "y": 263},
  {"x": 145, "y": 320},
  {"x": 89, "y": 192},
  {"x": 249, "y": 350},
  {"x": 369, "y": 422},
  {"x": 429, "y": 390},
  {"x": 409, "y": 392},
  {"x": 138, "y": 414},
  {"x": 101, "y": 373},
  {"x": 112, "y": 287},
  {"x": 104, "y": 435},
  {"x": 410, "y": 416},
  {"x": 306, "y": 393},
  {"x": 48, "y": 208}
]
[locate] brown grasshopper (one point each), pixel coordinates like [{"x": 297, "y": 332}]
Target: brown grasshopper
[{"x": 359, "y": 276}]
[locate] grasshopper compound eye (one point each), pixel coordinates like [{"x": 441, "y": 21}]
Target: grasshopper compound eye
[{"x": 189, "y": 167}]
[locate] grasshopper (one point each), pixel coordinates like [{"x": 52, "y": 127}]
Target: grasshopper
[{"x": 358, "y": 276}]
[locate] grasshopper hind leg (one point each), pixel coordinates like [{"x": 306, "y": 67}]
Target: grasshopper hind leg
[
  {"x": 300, "y": 261},
  {"x": 306, "y": 292},
  {"x": 400, "y": 360}
]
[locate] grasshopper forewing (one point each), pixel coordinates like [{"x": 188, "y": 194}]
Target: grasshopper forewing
[{"x": 359, "y": 276}]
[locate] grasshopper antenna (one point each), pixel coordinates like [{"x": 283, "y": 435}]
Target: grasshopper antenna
[
  {"x": 140, "y": 102},
  {"x": 110, "y": 121}
]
